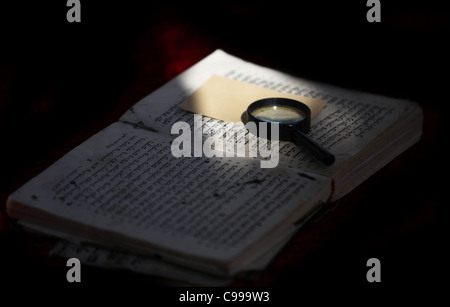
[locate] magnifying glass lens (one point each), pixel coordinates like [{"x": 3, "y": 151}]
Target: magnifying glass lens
[
  {"x": 294, "y": 119},
  {"x": 279, "y": 114}
]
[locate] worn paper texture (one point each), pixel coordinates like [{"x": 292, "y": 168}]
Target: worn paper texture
[{"x": 227, "y": 99}]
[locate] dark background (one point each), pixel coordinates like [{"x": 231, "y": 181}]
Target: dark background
[{"x": 61, "y": 82}]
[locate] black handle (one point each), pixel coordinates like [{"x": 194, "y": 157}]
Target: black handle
[{"x": 313, "y": 147}]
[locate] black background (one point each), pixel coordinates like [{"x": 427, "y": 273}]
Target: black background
[{"x": 61, "y": 82}]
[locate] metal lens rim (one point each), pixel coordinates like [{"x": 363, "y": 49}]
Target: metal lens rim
[{"x": 303, "y": 125}]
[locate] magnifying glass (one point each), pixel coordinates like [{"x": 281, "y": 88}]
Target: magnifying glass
[{"x": 294, "y": 119}]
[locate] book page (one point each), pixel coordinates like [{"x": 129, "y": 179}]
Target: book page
[
  {"x": 171, "y": 274},
  {"x": 125, "y": 181},
  {"x": 167, "y": 273},
  {"x": 227, "y": 99},
  {"x": 349, "y": 121}
]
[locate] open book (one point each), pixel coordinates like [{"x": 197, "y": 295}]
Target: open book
[{"x": 123, "y": 188}]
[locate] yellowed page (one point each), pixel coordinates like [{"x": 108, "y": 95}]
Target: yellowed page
[{"x": 227, "y": 99}]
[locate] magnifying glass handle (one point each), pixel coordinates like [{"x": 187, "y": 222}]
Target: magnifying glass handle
[{"x": 313, "y": 147}]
